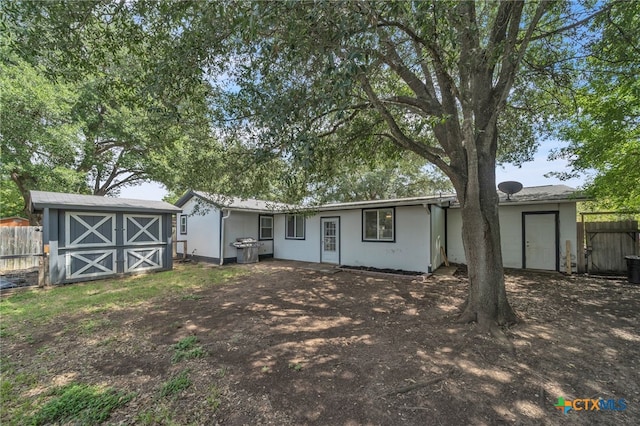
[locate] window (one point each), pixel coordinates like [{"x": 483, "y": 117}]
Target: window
[
  {"x": 183, "y": 224},
  {"x": 295, "y": 227},
  {"x": 378, "y": 225},
  {"x": 266, "y": 227}
]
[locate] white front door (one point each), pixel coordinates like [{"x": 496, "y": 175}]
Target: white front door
[
  {"x": 540, "y": 245},
  {"x": 330, "y": 244}
]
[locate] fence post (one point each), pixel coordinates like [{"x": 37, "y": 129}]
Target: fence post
[
  {"x": 580, "y": 253},
  {"x": 43, "y": 270}
]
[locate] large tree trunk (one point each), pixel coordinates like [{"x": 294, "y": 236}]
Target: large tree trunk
[
  {"x": 487, "y": 300},
  {"x": 24, "y": 183}
]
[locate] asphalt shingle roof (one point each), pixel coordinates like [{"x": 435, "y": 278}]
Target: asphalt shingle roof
[
  {"x": 40, "y": 200},
  {"x": 529, "y": 195},
  {"x": 236, "y": 203}
]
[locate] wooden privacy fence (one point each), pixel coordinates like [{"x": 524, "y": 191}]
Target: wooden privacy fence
[
  {"x": 20, "y": 247},
  {"x": 608, "y": 243}
]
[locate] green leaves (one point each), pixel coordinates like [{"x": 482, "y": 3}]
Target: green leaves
[
  {"x": 604, "y": 134},
  {"x": 39, "y": 138}
]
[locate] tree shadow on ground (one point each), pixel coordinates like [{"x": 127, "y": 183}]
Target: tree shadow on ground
[{"x": 289, "y": 345}]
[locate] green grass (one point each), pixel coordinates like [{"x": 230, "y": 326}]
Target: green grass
[
  {"x": 187, "y": 348},
  {"x": 214, "y": 398},
  {"x": 157, "y": 415},
  {"x": 176, "y": 384},
  {"x": 191, "y": 297},
  {"x": 80, "y": 404},
  {"x": 38, "y": 307},
  {"x": 80, "y": 309}
]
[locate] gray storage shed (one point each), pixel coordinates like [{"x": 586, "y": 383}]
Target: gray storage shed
[{"x": 91, "y": 237}]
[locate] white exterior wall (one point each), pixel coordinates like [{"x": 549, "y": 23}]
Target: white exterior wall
[
  {"x": 410, "y": 251},
  {"x": 243, "y": 224},
  {"x": 307, "y": 250},
  {"x": 203, "y": 231},
  {"x": 511, "y": 232}
]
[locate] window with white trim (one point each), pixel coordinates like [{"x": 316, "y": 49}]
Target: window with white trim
[
  {"x": 183, "y": 224},
  {"x": 378, "y": 224},
  {"x": 266, "y": 227},
  {"x": 295, "y": 227}
]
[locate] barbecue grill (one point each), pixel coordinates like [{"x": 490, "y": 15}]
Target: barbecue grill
[{"x": 247, "y": 249}]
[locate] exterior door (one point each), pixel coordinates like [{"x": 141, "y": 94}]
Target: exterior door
[
  {"x": 540, "y": 241},
  {"x": 104, "y": 244},
  {"x": 145, "y": 233},
  {"x": 330, "y": 241},
  {"x": 90, "y": 240}
]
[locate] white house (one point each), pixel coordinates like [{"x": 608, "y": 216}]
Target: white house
[
  {"x": 408, "y": 234},
  {"x": 535, "y": 225},
  {"x": 210, "y": 223}
]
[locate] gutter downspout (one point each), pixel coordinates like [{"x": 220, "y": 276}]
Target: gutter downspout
[{"x": 222, "y": 220}]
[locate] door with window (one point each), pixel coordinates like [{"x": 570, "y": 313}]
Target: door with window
[{"x": 330, "y": 241}]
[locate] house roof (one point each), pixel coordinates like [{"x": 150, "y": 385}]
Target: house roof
[
  {"x": 530, "y": 195},
  {"x": 235, "y": 203},
  {"x": 543, "y": 194},
  {"x": 411, "y": 201},
  {"x": 40, "y": 200}
]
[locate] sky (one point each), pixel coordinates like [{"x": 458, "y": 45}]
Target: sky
[{"x": 530, "y": 174}]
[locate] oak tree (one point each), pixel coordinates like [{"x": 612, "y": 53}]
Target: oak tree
[{"x": 457, "y": 83}]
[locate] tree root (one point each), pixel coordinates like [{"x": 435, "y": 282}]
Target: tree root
[
  {"x": 490, "y": 326},
  {"x": 502, "y": 339},
  {"x": 419, "y": 385},
  {"x": 467, "y": 317}
]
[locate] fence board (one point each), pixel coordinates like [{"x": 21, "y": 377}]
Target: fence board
[
  {"x": 20, "y": 247},
  {"x": 608, "y": 243}
]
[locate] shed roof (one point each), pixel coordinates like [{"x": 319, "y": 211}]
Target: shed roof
[
  {"x": 40, "y": 200},
  {"x": 15, "y": 218}
]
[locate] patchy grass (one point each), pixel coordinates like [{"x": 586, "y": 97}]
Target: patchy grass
[
  {"x": 80, "y": 404},
  {"x": 81, "y": 311},
  {"x": 287, "y": 345},
  {"x": 157, "y": 415},
  {"x": 187, "y": 348},
  {"x": 38, "y": 307},
  {"x": 176, "y": 384}
]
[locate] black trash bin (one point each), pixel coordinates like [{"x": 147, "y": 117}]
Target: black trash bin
[{"x": 633, "y": 269}]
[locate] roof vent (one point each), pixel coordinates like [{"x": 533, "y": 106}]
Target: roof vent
[{"x": 510, "y": 187}]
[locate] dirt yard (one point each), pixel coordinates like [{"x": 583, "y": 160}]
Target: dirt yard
[{"x": 292, "y": 344}]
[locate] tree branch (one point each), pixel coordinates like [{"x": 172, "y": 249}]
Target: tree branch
[
  {"x": 397, "y": 135},
  {"x": 575, "y": 24}
]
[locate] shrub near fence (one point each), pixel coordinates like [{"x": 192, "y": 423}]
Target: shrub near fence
[{"x": 20, "y": 247}]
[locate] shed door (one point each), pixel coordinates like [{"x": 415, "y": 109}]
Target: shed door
[
  {"x": 540, "y": 241},
  {"x": 98, "y": 245},
  {"x": 90, "y": 229},
  {"x": 90, "y": 264},
  {"x": 144, "y": 232},
  {"x": 90, "y": 239},
  {"x": 142, "y": 229}
]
